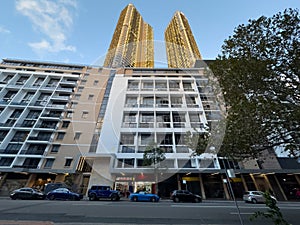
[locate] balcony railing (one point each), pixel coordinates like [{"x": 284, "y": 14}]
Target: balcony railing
[{"x": 9, "y": 151}]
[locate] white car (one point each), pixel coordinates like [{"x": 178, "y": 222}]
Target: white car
[{"x": 256, "y": 197}]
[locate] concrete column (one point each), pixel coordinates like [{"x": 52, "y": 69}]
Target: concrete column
[
  {"x": 178, "y": 182},
  {"x": 254, "y": 181},
  {"x": 225, "y": 186},
  {"x": 3, "y": 177},
  {"x": 244, "y": 183},
  {"x": 31, "y": 180},
  {"x": 268, "y": 183},
  {"x": 202, "y": 186},
  {"x": 296, "y": 176},
  {"x": 280, "y": 188}
]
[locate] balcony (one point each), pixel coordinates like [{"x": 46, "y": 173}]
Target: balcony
[
  {"x": 69, "y": 82},
  {"x": 146, "y": 125},
  {"x": 9, "y": 151},
  {"x": 32, "y": 152},
  {"x": 129, "y": 125},
  {"x": 26, "y": 166}
]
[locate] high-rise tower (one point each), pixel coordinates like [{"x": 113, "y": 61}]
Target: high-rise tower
[
  {"x": 132, "y": 42},
  {"x": 182, "y": 50}
]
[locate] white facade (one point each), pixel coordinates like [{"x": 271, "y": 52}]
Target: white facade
[{"x": 156, "y": 106}]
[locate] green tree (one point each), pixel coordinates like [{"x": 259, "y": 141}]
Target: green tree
[
  {"x": 272, "y": 213},
  {"x": 258, "y": 71},
  {"x": 153, "y": 155}
]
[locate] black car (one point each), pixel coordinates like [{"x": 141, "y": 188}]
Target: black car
[
  {"x": 185, "y": 196},
  {"x": 27, "y": 193}
]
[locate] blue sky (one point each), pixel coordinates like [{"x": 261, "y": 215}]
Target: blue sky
[{"x": 80, "y": 31}]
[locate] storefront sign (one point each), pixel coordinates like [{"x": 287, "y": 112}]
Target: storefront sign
[
  {"x": 191, "y": 178},
  {"x": 124, "y": 178}
]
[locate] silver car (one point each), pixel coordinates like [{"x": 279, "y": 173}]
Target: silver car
[{"x": 256, "y": 197}]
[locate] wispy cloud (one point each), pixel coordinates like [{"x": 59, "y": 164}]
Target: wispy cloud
[
  {"x": 4, "y": 31},
  {"x": 52, "y": 18}
]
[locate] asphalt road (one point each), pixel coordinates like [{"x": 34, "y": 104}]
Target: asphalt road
[{"x": 46, "y": 212}]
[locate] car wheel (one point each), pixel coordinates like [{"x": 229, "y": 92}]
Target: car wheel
[
  {"x": 135, "y": 199},
  {"x": 254, "y": 201},
  {"x": 114, "y": 198},
  {"x": 197, "y": 200},
  {"x": 152, "y": 199},
  {"x": 13, "y": 197},
  {"x": 92, "y": 197},
  {"x": 51, "y": 197},
  {"x": 176, "y": 199}
]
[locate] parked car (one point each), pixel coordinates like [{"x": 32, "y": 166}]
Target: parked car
[
  {"x": 97, "y": 192},
  {"x": 143, "y": 197},
  {"x": 52, "y": 186},
  {"x": 256, "y": 197},
  {"x": 27, "y": 193},
  {"x": 185, "y": 196},
  {"x": 63, "y": 194}
]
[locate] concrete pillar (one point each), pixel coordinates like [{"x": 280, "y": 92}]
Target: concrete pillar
[
  {"x": 31, "y": 180},
  {"x": 225, "y": 186},
  {"x": 202, "y": 186},
  {"x": 244, "y": 183},
  {"x": 2, "y": 180},
  {"x": 254, "y": 181},
  {"x": 178, "y": 181},
  {"x": 280, "y": 188},
  {"x": 296, "y": 176},
  {"x": 268, "y": 183},
  {"x": 60, "y": 178}
]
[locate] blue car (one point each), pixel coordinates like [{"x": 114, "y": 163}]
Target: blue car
[
  {"x": 143, "y": 197},
  {"x": 63, "y": 194}
]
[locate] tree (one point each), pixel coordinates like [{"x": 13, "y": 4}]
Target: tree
[
  {"x": 272, "y": 213},
  {"x": 258, "y": 71},
  {"x": 153, "y": 155}
]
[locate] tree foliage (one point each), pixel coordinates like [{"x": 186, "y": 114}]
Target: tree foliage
[
  {"x": 273, "y": 213},
  {"x": 258, "y": 72},
  {"x": 153, "y": 155}
]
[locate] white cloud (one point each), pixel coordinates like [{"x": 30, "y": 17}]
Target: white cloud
[
  {"x": 4, "y": 31},
  {"x": 54, "y": 19}
]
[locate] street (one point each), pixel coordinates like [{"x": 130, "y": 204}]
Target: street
[{"x": 124, "y": 212}]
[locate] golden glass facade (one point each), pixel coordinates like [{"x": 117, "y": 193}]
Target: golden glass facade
[
  {"x": 132, "y": 42},
  {"x": 182, "y": 50}
]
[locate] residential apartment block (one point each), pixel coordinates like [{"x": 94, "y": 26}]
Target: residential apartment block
[{"x": 87, "y": 125}]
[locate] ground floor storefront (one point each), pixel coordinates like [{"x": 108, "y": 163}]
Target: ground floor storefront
[
  {"x": 212, "y": 185},
  {"x": 217, "y": 185}
]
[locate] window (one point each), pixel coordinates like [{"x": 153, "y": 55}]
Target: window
[
  {"x": 96, "y": 82},
  {"x": 49, "y": 163},
  {"x": 147, "y": 139},
  {"x": 9, "y": 96},
  {"x": 84, "y": 115},
  {"x": 60, "y": 136},
  {"x": 22, "y": 80},
  {"x": 65, "y": 124},
  {"x": 90, "y": 97},
  {"x": 38, "y": 81},
  {"x": 83, "y": 82},
  {"x": 3, "y": 133},
  {"x": 127, "y": 139},
  {"x": 27, "y": 97},
  {"x": 80, "y": 89},
  {"x": 69, "y": 115},
  {"x": 20, "y": 136},
  {"x": 77, "y": 135},
  {"x": 33, "y": 114},
  {"x": 68, "y": 162},
  {"x": 55, "y": 148},
  {"x": 77, "y": 97},
  {"x": 4, "y": 161},
  {"x": 73, "y": 105}
]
